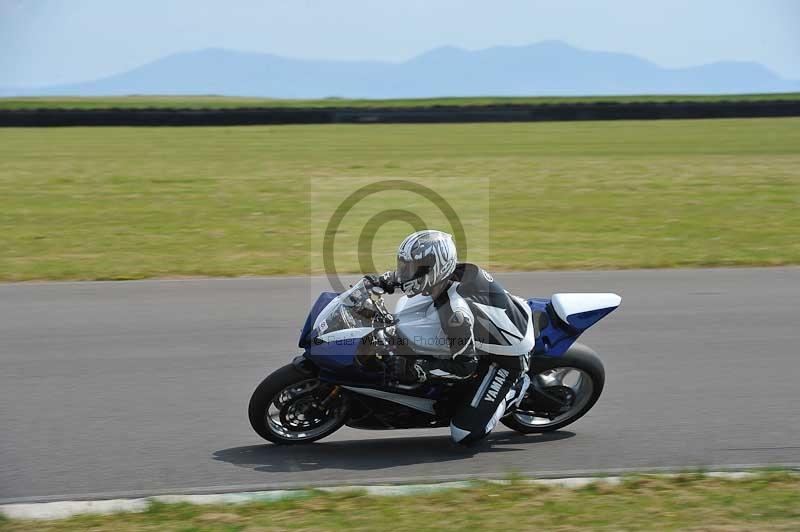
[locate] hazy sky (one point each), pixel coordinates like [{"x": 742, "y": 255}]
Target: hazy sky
[{"x": 58, "y": 41}]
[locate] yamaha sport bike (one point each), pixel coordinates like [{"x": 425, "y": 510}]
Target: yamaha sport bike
[{"x": 343, "y": 375}]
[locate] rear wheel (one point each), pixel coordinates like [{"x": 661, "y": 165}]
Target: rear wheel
[
  {"x": 562, "y": 390},
  {"x": 292, "y": 407}
]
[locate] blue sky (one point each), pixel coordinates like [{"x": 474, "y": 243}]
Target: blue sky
[{"x": 58, "y": 41}]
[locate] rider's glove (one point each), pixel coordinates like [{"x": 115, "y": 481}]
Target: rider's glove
[{"x": 387, "y": 281}]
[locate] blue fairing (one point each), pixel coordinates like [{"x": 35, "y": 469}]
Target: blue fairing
[
  {"x": 334, "y": 355},
  {"x": 552, "y": 340},
  {"x": 321, "y": 302},
  {"x": 336, "y": 360},
  {"x": 584, "y": 320},
  {"x": 555, "y": 338}
]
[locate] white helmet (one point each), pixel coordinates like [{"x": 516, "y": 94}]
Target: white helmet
[{"x": 425, "y": 259}]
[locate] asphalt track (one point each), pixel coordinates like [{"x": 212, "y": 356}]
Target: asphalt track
[{"x": 133, "y": 388}]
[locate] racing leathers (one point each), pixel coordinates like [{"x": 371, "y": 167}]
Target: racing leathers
[{"x": 488, "y": 332}]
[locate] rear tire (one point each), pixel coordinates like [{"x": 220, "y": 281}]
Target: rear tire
[
  {"x": 579, "y": 357},
  {"x": 268, "y": 392}
]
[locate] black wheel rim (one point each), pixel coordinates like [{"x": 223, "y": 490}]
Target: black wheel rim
[{"x": 297, "y": 412}]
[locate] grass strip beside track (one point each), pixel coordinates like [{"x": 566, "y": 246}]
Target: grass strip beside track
[
  {"x": 767, "y": 501},
  {"x": 129, "y": 203},
  {"x": 230, "y": 102}
]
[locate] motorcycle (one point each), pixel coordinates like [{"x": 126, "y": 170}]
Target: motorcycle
[{"x": 343, "y": 376}]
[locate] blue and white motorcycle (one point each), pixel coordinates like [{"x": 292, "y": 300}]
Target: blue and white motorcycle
[{"x": 343, "y": 375}]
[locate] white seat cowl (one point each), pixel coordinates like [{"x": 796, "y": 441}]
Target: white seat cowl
[{"x": 567, "y": 305}]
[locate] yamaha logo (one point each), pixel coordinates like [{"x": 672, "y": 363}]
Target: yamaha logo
[{"x": 497, "y": 384}]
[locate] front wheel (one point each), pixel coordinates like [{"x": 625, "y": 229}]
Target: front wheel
[
  {"x": 562, "y": 390},
  {"x": 292, "y": 407}
]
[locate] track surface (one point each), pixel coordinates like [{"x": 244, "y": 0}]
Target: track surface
[{"x": 142, "y": 387}]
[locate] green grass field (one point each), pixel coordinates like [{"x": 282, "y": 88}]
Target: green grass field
[
  {"x": 198, "y": 102},
  {"x": 127, "y": 203},
  {"x": 688, "y": 502}
]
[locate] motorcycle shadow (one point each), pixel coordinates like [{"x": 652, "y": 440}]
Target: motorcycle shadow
[{"x": 367, "y": 455}]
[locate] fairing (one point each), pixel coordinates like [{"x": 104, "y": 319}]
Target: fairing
[
  {"x": 555, "y": 335},
  {"x": 306, "y": 336},
  {"x": 333, "y": 350}
]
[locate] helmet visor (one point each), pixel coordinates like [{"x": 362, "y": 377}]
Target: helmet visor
[{"x": 408, "y": 270}]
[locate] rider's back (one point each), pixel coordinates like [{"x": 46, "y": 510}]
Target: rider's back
[{"x": 501, "y": 322}]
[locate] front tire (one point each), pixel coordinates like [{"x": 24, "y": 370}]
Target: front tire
[
  {"x": 553, "y": 402},
  {"x": 292, "y": 407}
]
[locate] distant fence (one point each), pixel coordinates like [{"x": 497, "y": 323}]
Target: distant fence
[{"x": 396, "y": 115}]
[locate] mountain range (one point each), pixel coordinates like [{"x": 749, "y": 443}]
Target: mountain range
[{"x": 548, "y": 68}]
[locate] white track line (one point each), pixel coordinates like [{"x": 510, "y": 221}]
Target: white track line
[{"x": 64, "y": 509}]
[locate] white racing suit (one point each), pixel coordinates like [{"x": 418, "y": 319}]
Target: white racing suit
[{"x": 481, "y": 319}]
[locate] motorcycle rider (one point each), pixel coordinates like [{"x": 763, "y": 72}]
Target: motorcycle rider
[{"x": 478, "y": 317}]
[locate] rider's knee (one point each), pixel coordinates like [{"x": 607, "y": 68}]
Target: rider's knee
[{"x": 464, "y": 436}]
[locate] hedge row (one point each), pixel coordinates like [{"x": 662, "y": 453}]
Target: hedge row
[{"x": 435, "y": 114}]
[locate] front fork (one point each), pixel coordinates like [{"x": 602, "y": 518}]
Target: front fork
[{"x": 334, "y": 393}]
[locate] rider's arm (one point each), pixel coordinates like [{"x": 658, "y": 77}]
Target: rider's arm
[
  {"x": 457, "y": 322},
  {"x": 460, "y": 336}
]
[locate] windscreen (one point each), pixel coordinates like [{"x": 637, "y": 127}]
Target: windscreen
[{"x": 349, "y": 310}]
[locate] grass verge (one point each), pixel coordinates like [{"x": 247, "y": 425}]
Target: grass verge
[
  {"x": 768, "y": 501},
  {"x": 129, "y": 203},
  {"x": 227, "y": 102}
]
